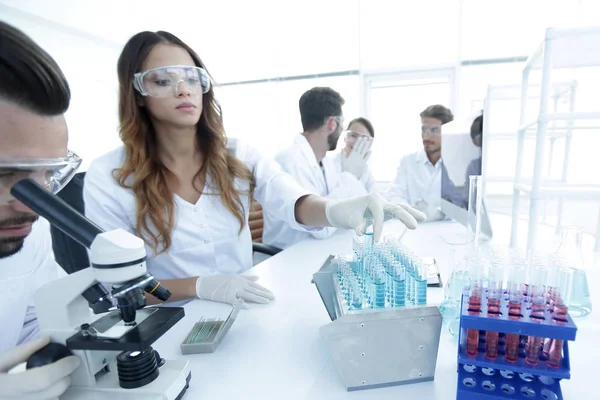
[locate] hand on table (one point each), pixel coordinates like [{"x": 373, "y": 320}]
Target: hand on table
[{"x": 229, "y": 288}]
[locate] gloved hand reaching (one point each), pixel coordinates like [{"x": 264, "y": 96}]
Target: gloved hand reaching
[
  {"x": 46, "y": 382},
  {"x": 356, "y": 161},
  {"x": 350, "y": 214},
  {"x": 228, "y": 288}
]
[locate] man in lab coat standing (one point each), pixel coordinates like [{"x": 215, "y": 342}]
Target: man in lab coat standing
[
  {"x": 34, "y": 96},
  {"x": 419, "y": 177},
  {"x": 322, "y": 122}
]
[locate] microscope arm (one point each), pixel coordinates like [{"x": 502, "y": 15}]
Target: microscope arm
[{"x": 73, "y": 309}]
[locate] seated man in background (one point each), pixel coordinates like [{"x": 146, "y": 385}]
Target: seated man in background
[
  {"x": 322, "y": 122},
  {"x": 357, "y": 128},
  {"x": 418, "y": 180},
  {"x": 34, "y": 95}
]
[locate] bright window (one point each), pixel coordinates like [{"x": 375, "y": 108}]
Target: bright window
[
  {"x": 394, "y": 105},
  {"x": 267, "y": 114}
]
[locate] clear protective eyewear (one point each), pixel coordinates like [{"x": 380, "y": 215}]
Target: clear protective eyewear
[
  {"x": 168, "y": 81},
  {"x": 51, "y": 173},
  {"x": 433, "y": 130},
  {"x": 354, "y": 136}
]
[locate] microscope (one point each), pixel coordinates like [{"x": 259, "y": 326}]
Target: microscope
[{"x": 117, "y": 358}]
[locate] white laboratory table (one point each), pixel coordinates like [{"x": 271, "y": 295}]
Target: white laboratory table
[{"x": 274, "y": 351}]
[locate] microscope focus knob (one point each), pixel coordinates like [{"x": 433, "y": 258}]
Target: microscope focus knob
[{"x": 48, "y": 354}]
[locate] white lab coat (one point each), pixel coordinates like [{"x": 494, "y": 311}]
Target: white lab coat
[
  {"x": 366, "y": 179},
  {"x": 299, "y": 160},
  {"x": 20, "y": 276},
  {"x": 418, "y": 180},
  {"x": 205, "y": 239}
]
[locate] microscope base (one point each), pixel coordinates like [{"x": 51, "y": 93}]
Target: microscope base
[{"x": 171, "y": 384}]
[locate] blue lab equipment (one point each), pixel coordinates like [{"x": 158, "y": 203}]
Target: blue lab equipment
[{"x": 482, "y": 378}]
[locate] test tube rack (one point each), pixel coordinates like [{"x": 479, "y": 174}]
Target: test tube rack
[
  {"x": 377, "y": 347},
  {"x": 480, "y": 378}
]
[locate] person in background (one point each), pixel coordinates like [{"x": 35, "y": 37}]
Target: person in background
[
  {"x": 474, "y": 167},
  {"x": 358, "y": 128},
  {"x": 306, "y": 161},
  {"x": 185, "y": 188},
  {"x": 418, "y": 180},
  {"x": 34, "y": 95}
]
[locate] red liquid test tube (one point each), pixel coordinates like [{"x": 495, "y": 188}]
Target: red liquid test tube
[
  {"x": 534, "y": 344},
  {"x": 560, "y": 315},
  {"x": 473, "y": 334},
  {"x": 495, "y": 280},
  {"x": 513, "y": 339},
  {"x": 491, "y": 338}
]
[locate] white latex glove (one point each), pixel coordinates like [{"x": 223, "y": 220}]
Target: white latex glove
[
  {"x": 421, "y": 205},
  {"x": 46, "y": 382},
  {"x": 350, "y": 214},
  {"x": 356, "y": 161},
  {"x": 228, "y": 288}
]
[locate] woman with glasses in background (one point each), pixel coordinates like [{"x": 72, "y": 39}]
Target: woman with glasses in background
[{"x": 355, "y": 155}]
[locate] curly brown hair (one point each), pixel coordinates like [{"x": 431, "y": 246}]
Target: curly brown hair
[{"x": 155, "y": 203}]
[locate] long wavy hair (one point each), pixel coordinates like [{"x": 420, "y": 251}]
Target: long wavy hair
[{"x": 142, "y": 170}]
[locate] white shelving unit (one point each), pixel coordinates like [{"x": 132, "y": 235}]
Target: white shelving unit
[
  {"x": 561, "y": 92},
  {"x": 561, "y": 49}
]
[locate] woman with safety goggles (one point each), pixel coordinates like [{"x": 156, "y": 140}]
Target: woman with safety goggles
[
  {"x": 185, "y": 188},
  {"x": 354, "y": 157}
]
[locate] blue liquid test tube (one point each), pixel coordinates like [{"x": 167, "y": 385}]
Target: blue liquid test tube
[
  {"x": 379, "y": 286},
  {"x": 357, "y": 298},
  {"x": 421, "y": 283},
  {"x": 399, "y": 297}
]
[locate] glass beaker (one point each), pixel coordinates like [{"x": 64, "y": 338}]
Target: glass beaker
[
  {"x": 459, "y": 279},
  {"x": 571, "y": 252}
]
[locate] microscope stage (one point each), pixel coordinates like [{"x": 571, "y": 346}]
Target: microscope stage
[{"x": 152, "y": 323}]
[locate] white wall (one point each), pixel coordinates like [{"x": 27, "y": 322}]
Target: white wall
[
  {"x": 240, "y": 40},
  {"x": 90, "y": 67}
]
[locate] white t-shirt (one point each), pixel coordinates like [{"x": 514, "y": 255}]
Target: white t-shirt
[
  {"x": 205, "y": 238},
  {"x": 20, "y": 276},
  {"x": 418, "y": 183}
]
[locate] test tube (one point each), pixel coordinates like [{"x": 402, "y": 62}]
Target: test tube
[
  {"x": 421, "y": 282},
  {"x": 368, "y": 241},
  {"x": 379, "y": 286},
  {"x": 560, "y": 317},
  {"x": 357, "y": 298},
  {"x": 552, "y": 294},
  {"x": 495, "y": 280},
  {"x": 399, "y": 298},
  {"x": 357, "y": 248},
  {"x": 538, "y": 307},
  {"x": 476, "y": 274},
  {"x": 515, "y": 285}
]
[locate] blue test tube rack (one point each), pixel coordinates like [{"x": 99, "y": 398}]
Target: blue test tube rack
[{"x": 480, "y": 378}]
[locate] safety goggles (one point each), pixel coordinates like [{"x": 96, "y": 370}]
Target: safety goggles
[
  {"x": 433, "y": 130},
  {"x": 340, "y": 120},
  {"x": 354, "y": 136},
  {"x": 171, "y": 80},
  {"x": 51, "y": 173}
]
